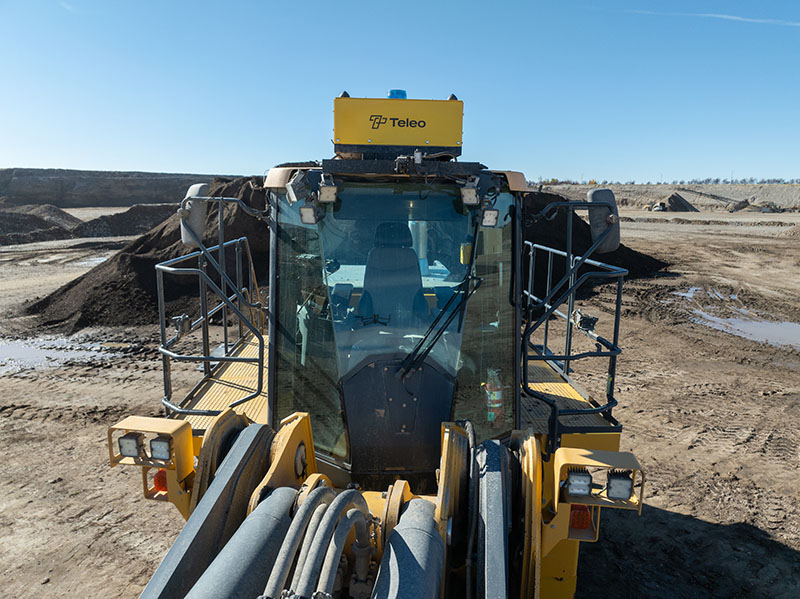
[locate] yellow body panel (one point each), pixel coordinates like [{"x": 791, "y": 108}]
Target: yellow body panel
[
  {"x": 397, "y": 122},
  {"x": 531, "y": 458},
  {"x": 292, "y": 457},
  {"x": 560, "y": 570},
  {"x": 229, "y": 382},
  {"x": 598, "y": 441}
]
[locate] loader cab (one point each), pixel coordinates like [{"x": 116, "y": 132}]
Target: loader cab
[{"x": 394, "y": 313}]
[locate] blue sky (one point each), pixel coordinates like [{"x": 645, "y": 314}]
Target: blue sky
[{"x": 615, "y": 90}]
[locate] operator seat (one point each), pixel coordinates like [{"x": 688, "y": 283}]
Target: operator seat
[{"x": 392, "y": 279}]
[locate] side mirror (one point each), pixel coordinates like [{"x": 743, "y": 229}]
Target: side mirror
[
  {"x": 602, "y": 217},
  {"x": 297, "y": 189},
  {"x": 193, "y": 214}
]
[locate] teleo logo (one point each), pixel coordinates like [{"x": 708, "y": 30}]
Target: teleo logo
[{"x": 378, "y": 119}]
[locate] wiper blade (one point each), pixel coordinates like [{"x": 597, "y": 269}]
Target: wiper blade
[{"x": 418, "y": 355}]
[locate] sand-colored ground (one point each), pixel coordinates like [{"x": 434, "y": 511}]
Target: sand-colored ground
[{"x": 713, "y": 417}]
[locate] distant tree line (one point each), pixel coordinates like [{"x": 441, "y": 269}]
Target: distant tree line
[{"x": 706, "y": 181}]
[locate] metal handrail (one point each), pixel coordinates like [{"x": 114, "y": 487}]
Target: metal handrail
[
  {"x": 564, "y": 292},
  {"x": 236, "y": 301}
]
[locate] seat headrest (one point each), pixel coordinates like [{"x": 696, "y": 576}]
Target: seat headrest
[{"x": 393, "y": 235}]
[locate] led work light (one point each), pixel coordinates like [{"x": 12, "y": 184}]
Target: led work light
[
  {"x": 161, "y": 448},
  {"x": 579, "y": 482},
  {"x": 469, "y": 193},
  {"x": 327, "y": 190},
  {"x": 620, "y": 484},
  {"x": 131, "y": 445},
  {"x": 490, "y": 217},
  {"x": 309, "y": 214}
]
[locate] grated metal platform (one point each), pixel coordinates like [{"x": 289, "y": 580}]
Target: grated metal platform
[
  {"x": 546, "y": 381},
  {"x": 229, "y": 382}
]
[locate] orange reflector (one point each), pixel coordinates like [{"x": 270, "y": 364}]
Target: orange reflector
[
  {"x": 160, "y": 480},
  {"x": 580, "y": 517}
]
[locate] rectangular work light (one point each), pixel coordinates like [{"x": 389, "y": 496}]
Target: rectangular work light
[
  {"x": 131, "y": 445},
  {"x": 309, "y": 214},
  {"x": 490, "y": 217},
  {"x": 161, "y": 448},
  {"x": 469, "y": 193},
  {"x": 620, "y": 484},
  {"x": 327, "y": 190},
  {"x": 579, "y": 482}
]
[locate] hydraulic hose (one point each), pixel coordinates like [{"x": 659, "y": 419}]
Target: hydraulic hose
[
  {"x": 283, "y": 563},
  {"x": 413, "y": 557},
  {"x": 238, "y": 570},
  {"x": 327, "y": 578},
  {"x": 313, "y": 526},
  {"x": 345, "y": 501},
  {"x": 472, "y": 496}
]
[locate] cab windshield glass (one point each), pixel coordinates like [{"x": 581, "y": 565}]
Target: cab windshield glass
[
  {"x": 393, "y": 259},
  {"x": 366, "y": 282}
]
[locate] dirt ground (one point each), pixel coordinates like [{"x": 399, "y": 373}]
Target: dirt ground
[{"x": 713, "y": 417}]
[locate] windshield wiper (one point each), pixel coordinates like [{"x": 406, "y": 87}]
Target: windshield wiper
[{"x": 465, "y": 289}]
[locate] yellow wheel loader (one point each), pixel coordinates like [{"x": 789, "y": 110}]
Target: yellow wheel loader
[{"x": 399, "y": 415}]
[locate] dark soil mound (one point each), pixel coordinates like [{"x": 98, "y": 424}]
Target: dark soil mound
[
  {"x": 18, "y": 228},
  {"x": 136, "y": 220},
  {"x": 13, "y": 222},
  {"x": 31, "y": 223},
  {"x": 47, "y": 212},
  {"x": 122, "y": 290},
  {"x": 677, "y": 203},
  {"x": 48, "y": 234},
  {"x": 552, "y": 233}
]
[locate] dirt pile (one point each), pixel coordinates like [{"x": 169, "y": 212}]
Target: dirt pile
[
  {"x": 137, "y": 220},
  {"x": 25, "y": 227},
  {"x": 47, "y": 212},
  {"x": 30, "y": 223},
  {"x": 122, "y": 290},
  {"x": 677, "y": 203}
]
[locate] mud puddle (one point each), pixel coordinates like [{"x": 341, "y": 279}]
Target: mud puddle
[
  {"x": 47, "y": 352},
  {"x": 722, "y": 311},
  {"x": 754, "y": 328}
]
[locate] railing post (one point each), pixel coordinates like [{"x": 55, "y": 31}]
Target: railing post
[
  {"x": 571, "y": 301},
  {"x": 549, "y": 285},
  {"x": 612, "y": 361},
  {"x": 239, "y": 282},
  {"x": 204, "y": 315},
  {"x": 223, "y": 271},
  {"x": 162, "y": 321}
]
